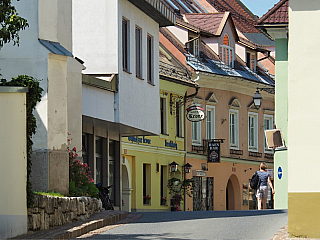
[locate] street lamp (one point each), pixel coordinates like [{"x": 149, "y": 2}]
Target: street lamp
[
  {"x": 257, "y": 99},
  {"x": 174, "y": 166},
  {"x": 187, "y": 167}
]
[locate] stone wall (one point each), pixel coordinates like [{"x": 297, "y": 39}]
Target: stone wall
[{"x": 50, "y": 212}]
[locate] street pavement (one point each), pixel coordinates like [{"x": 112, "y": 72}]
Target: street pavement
[{"x": 198, "y": 225}]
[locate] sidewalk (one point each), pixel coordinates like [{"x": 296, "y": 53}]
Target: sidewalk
[
  {"x": 283, "y": 234},
  {"x": 73, "y": 230}
]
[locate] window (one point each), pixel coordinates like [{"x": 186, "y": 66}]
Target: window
[
  {"x": 125, "y": 44},
  {"x": 251, "y": 61},
  {"x": 138, "y": 53},
  {"x": 150, "y": 59},
  {"x": 179, "y": 119},
  {"x": 196, "y": 133},
  {"x": 253, "y": 131},
  {"x": 112, "y": 157},
  {"x": 210, "y": 122},
  {"x": 146, "y": 181},
  {"x": 163, "y": 182},
  {"x": 233, "y": 129},
  {"x": 226, "y": 52},
  {"x": 268, "y": 124},
  {"x": 163, "y": 115},
  {"x": 194, "y": 46},
  {"x": 99, "y": 172}
]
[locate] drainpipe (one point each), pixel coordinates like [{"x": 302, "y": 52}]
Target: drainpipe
[{"x": 185, "y": 134}]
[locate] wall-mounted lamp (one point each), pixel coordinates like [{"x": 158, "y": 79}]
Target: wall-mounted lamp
[
  {"x": 174, "y": 166},
  {"x": 187, "y": 167},
  {"x": 248, "y": 169},
  {"x": 223, "y": 120},
  {"x": 257, "y": 96}
]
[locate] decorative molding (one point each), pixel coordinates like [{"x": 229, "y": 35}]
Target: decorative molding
[
  {"x": 235, "y": 103},
  {"x": 212, "y": 98}
]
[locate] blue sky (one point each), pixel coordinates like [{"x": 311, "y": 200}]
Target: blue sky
[{"x": 259, "y": 7}]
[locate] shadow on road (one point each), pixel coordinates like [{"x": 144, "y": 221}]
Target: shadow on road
[{"x": 154, "y": 217}]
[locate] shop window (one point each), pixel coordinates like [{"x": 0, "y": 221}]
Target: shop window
[{"x": 146, "y": 183}]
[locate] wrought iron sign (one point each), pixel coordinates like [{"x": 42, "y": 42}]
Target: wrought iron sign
[{"x": 213, "y": 151}]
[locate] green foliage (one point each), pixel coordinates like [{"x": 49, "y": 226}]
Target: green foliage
[
  {"x": 53, "y": 194},
  {"x": 33, "y": 97},
  {"x": 81, "y": 183},
  {"x": 177, "y": 187},
  {"x": 11, "y": 23}
]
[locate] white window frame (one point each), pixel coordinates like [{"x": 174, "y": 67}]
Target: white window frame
[
  {"x": 165, "y": 117},
  {"x": 196, "y": 140},
  {"x": 253, "y": 147},
  {"x": 270, "y": 118},
  {"x": 210, "y": 112},
  {"x": 234, "y": 145}
]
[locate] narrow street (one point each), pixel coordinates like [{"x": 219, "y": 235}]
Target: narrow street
[{"x": 197, "y": 225}]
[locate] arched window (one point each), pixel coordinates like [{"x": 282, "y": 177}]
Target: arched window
[{"x": 226, "y": 52}]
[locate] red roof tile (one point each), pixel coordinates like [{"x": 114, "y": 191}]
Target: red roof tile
[
  {"x": 206, "y": 21},
  {"x": 241, "y": 16},
  {"x": 277, "y": 14}
]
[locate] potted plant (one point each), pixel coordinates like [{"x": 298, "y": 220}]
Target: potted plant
[
  {"x": 146, "y": 199},
  {"x": 176, "y": 199},
  {"x": 163, "y": 200}
]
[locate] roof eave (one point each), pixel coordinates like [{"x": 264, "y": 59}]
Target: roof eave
[{"x": 157, "y": 11}]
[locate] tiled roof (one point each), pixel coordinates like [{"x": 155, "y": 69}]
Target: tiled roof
[
  {"x": 207, "y": 21},
  {"x": 241, "y": 16},
  {"x": 276, "y": 15}
]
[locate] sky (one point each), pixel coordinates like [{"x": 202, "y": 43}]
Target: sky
[{"x": 259, "y": 7}]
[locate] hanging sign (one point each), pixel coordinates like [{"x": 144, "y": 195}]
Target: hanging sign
[
  {"x": 213, "y": 152},
  {"x": 195, "y": 113}
]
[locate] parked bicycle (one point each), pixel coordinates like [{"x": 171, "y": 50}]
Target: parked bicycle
[{"x": 104, "y": 196}]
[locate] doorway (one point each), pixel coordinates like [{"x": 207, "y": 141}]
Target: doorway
[{"x": 233, "y": 196}]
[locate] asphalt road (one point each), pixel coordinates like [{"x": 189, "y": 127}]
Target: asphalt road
[{"x": 200, "y": 225}]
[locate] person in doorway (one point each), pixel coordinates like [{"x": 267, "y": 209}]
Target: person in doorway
[{"x": 262, "y": 191}]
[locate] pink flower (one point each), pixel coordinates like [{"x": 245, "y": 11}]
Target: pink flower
[
  {"x": 69, "y": 133},
  {"x": 74, "y": 149}
]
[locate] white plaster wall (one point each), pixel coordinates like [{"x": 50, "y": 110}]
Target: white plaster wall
[
  {"x": 212, "y": 43},
  {"x": 30, "y": 58},
  {"x": 138, "y": 101},
  {"x": 227, "y": 29},
  {"x": 13, "y": 170},
  {"x": 97, "y": 103},
  {"x": 95, "y": 35},
  {"x": 74, "y": 103},
  {"x": 180, "y": 33},
  {"x": 241, "y": 52},
  {"x": 57, "y": 102},
  {"x": 303, "y": 97}
]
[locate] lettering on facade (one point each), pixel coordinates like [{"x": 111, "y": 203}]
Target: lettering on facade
[
  {"x": 170, "y": 144},
  {"x": 195, "y": 113},
  {"x": 199, "y": 173},
  {"x": 139, "y": 140}
]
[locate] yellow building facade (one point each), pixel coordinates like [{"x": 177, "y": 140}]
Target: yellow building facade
[{"x": 146, "y": 169}]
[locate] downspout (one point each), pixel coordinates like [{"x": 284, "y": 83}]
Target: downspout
[{"x": 185, "y": 134}]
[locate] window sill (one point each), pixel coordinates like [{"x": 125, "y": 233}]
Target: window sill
[
  {"x": 180, "y": 139},
  {"x": 126, "y": 71},
  {"x": 152, "y": 84},
  {"x": 165, "y": 136},
  {"x": 196, "y": 144},
  {"x": 253, "y": 150},
  {"x": 139, "y": 78}
]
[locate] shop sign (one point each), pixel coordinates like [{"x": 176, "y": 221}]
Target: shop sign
[
  {"x": 213, "y": 152},
  {"x": 139, "y": 140},
  {"x": 199, "y": 173},
  {"x": 170, "y": 144},
  {"x": 195, "y": 113}
]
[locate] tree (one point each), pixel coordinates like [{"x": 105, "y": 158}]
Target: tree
[{"x": 11, "y": 23}]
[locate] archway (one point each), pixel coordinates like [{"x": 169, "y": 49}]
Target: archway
[
  {"x": 233, "y": 196},
  {"x": 126, "y": 185}
]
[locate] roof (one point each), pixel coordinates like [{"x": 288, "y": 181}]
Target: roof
[
  {"x": 55, "y": 48},
  {"x": 242, "y": 17},
  {"x": 210, "y": 22},
  {"x": 278, "y": 14}
]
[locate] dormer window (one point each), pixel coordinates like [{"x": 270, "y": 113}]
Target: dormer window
[
  {"x": 193, "y": 45},
  {"x": 251, "y": 61},
  {"x": 226, "y": 52}
]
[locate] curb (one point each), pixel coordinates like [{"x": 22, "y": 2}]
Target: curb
[{"x": 79, "y": 228}]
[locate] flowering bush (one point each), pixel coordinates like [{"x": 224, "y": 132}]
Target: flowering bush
[
  {"x": 147, "y": 197},
  {"x": 81, "y": 183},
  {"x": 163, "y": 198}
]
